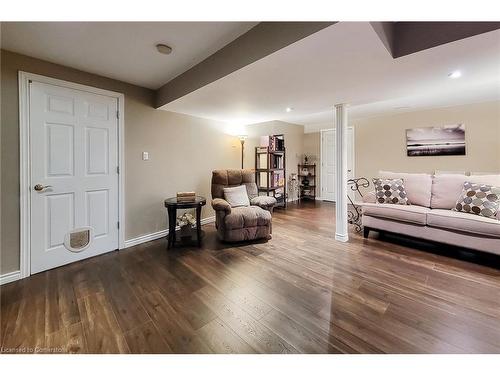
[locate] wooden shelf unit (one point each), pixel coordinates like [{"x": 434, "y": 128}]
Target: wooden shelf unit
[
  {"x": 269, "y": 170},
  {"x": 311, "y": 177}
]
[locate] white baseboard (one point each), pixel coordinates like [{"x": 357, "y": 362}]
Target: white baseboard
[
  {"x": 162, "y": 233},
  {"x": 145, "y": 238},
  {"x": 342, "y": 237},
  {"x": 208, "y": 220},
  {"x": 10, "y": 277}
]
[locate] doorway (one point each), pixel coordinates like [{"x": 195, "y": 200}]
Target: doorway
[
  {"x": 328, "y": 162},
  {"x": 71, "y": 187}
]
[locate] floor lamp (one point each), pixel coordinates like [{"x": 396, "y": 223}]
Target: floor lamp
[{"x": 242, "y": 140}]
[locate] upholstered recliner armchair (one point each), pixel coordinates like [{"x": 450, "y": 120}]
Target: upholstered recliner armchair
[{"x": 240, "y": 223}]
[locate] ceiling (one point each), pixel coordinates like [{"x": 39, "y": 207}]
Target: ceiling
[
  {"x": 343, "y": 63},
  {"x": 347, "y": 63},
  {"x": 122, "y": 50}
]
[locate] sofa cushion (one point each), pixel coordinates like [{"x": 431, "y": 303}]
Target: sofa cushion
[
  {"x": 410, "y": 214},
  {"x": 244, "y": 217},
  {"x": 418, "y": 186},
  {"x": 447, "y": 188},
  {"x": 390, "y": 191},
  {"x": 236, "y": 196},
  {"x": 479, "y": 199},
  {"x": 462, "y": 222},
  {"x": 369, "y": 197}
]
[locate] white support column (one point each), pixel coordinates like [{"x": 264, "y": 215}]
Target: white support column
[{"x": 340, "y": 118}]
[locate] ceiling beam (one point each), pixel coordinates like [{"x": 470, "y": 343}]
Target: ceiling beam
[
  {"x": 260, "y": 41},
  {"x": 405, "y": 38},
  {"x": 385, "y": 31}
]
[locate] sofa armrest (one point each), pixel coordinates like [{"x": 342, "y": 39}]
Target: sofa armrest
[
  {"x": 219, "y": 204},
  {"x": 370, "y": 197},
  {"x": 263, "y": 201}
]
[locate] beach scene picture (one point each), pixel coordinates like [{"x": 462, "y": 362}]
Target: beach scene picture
[{"x": 435, "y": 141}]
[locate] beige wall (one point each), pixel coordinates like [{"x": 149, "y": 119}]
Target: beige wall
[
  {"x": 183, "y": 150},
  {"x": 312, "y": 145},
  {"x": 294, "y": 142},
  {"x": 380, "y": 142}
]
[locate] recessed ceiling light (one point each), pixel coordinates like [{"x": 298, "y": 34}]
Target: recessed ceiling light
[
  {"x": 289, "y": 109},
  {"x": 455, "y": 74},
  {"x": 164, "y": 49}
]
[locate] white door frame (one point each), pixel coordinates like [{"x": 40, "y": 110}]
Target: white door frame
[
  {"x": 322, "y": 131},
  {"x": 24, "y": 160}
]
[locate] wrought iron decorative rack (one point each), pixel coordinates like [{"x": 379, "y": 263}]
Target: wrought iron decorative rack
[{"x": 354, "y": 213}]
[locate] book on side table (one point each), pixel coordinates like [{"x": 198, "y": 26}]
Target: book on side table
[{"x": 186, "y": 196}]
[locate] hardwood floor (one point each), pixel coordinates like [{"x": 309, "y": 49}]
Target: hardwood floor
[{"x": 301, "y": 292}]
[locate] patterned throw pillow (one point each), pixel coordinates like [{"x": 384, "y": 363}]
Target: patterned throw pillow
[
  {"x": 478, "y": 199},
  {"x": 390, "y": 191}
]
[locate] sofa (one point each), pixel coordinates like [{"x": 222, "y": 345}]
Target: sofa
[
  {"x": 235, "y": 224},
  {"x": 430, "y": 215}
]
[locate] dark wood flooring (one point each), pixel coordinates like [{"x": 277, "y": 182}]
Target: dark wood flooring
[{"x": 301, "y": 292}]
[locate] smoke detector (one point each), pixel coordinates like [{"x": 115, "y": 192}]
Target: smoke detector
[{"x": 164, "y": 49}]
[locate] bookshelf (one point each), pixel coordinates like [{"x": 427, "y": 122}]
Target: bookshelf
[
  {"x": 307, "y": 181},
  {"x": 270, "y": 167}
]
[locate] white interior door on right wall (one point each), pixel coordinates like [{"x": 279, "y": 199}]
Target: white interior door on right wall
[{"x": 328, "y": 162}]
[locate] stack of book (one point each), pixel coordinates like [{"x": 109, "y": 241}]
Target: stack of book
[{"x": 186, "y": 196}]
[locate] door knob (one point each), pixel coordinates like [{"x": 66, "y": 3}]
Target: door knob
[{"x": 40, "y": 187}]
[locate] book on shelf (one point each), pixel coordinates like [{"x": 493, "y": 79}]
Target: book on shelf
[
  {"x": 273, "y": 142},
  {"x": 276, "y": 179},
  {"x": 279, "y": 194},
  {"x": 279, "y": 178},
  {"x": 280, "y": 144},
  {"x": 275, "y": 161}
]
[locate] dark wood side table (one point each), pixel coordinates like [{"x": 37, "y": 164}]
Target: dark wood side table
[{"x": 173, "y": 205}]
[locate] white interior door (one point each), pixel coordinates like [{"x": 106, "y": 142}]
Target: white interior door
[
  {"x": 328, "y": 162},
  {"x": 74, "y": 160},
  {"x": 328, "y": 165},
  {"x": 350, "y": 155}
]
